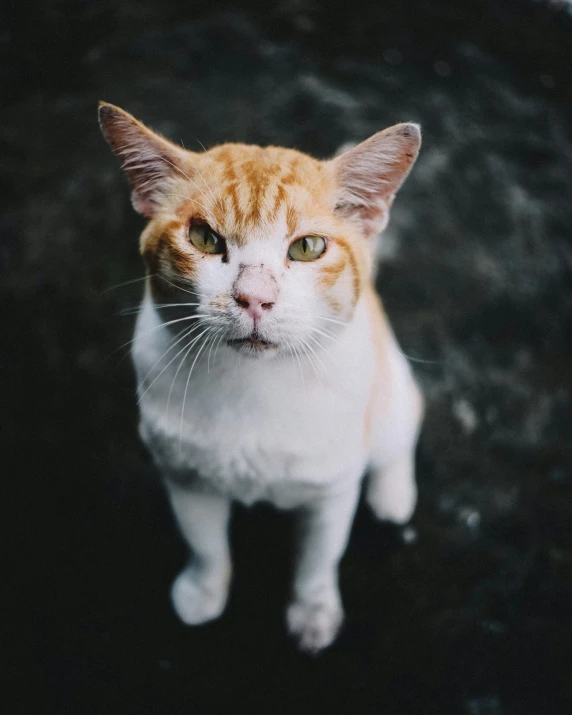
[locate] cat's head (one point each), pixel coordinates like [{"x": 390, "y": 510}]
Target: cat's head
[{"x": 271, "y": 246}]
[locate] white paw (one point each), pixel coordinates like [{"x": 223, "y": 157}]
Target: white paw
[
  {"x": 195, "y": 600},
  {"x": 392, "y": 495},
  {"x": 315, "y": 626}
]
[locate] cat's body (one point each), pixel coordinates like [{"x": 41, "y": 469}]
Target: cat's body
[
  {"x": 244, "y": 434},
  {"x": 288, "y": 385}
]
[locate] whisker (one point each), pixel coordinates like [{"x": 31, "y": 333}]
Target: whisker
[
  {"x": 299, "y": 365},
  {"x": 333, "y": 338},
  {"x": 175, "y": 305},
  {"x": 216, "y": 200},
  {"x": 139, "y": 308},
  {"x": 191, "y": 292},
  {"x": 304, "y": 348},
  {"x": 323, "y": 348},
  {"x": 291, "y": 354},
  {"x": 317, "y": 357},
  {"x": 157, "y": 327},
  {"x": 166, "y": 366},
  {"x": 211, "y": 348},
  {"x": 129, "y": 342},
  {"x": 172, "y": 343},
  {"x": 183, "y": 173},
  {"x": 218, "y": 343},
  {"x": 199, "y": 351},
  {"x": 421, "y": 360},
  {"x": 188, "y": 347},
  {"x": 332, "y": 320},
  {"x": 192, "y": 198},
  {"x": 320, "y": 346},
  {"x": 126, "y": 283},
  {"x": 309, "y": 189}
]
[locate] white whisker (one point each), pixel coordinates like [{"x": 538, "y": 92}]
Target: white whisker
[
  {"x": 172, "y": 343},
  {"x": 126, "y": 283},
  {"x": 291, "y": 353},
  {"x": 166, "y": 366},
  {"x": 158, "y": 327},
  {"x": 191, "y": 198},
  {"x": 218, "y": 343},
  {"x": 158, "y": 306},
  {"x": 421, "y": 360},
  {"x": 332, "y": 320},
  {"x": 211, "y": 348},
  {"x": 324, "y": 349},
  {"x": 299, "y": 365},
  {"x": 304, "y": 348},
  {"x": 334, "y": 338},
  {"x": 188, "y": 347},
  {"x": 317, "y": 357},
  {"x": 190, "y": 292},
  {"x": 199, "y": 351},
  {"x": 216, "y": 200},
  {"x": 183, "y": 173}
]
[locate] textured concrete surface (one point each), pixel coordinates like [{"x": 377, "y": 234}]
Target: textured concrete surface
[{"x": 468, "y": 611}]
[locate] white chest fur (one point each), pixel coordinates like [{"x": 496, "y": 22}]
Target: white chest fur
[{"x": 255, "y": 429}]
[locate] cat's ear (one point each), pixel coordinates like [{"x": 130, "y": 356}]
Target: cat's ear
[
  {"x": 369, "y": 174},
  {"x": 150, "y": 161}
]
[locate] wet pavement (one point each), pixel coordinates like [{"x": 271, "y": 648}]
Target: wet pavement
[{"x": 469, "y": 610}]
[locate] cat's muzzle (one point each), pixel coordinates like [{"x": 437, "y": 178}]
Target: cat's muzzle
[{"x": 252, "y": 344}]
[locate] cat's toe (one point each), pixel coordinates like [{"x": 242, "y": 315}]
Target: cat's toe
[
  {"x": 196, "y": 601},
  {"x": 314, "y": 626}
]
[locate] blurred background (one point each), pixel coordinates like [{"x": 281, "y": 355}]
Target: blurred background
[{"x": 467, "y": 612}]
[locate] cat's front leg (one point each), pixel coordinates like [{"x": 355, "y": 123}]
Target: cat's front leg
[
  {"x": 391, "y": 490},
  {"x": 316, "y": 614},
  {"x": 199, "y": 593}
]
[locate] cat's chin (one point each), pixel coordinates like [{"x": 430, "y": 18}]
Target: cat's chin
[{"x": 254, "y": 347}]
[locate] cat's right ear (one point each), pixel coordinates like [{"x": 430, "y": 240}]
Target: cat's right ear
[
  {"x": 150, "y": 161},
  {"x": 369, "y": 174}
]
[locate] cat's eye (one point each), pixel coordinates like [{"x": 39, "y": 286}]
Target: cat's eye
[
  {"x": 205, "y": 239},
  {"x": 307, "y": 249}
]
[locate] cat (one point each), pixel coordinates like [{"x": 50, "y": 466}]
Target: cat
[{"x": 266, "y": 367}]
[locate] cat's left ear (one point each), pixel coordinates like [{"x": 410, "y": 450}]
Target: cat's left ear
[
  {"x": 150, "y": 161},
  {"x": 369, "y": 174}
]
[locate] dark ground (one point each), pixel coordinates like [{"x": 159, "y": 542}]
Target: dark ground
[{"x": 473, "y": 618}]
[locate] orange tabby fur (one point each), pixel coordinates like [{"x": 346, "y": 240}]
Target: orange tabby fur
[{"x": 253, "y": 186}]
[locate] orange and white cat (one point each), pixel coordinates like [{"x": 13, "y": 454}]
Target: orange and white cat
[{"x": 266, "y": 367}]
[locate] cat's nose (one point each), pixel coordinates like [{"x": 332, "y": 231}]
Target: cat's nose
[{"x": 255, "y": 305}]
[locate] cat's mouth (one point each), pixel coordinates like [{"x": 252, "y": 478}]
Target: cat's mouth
[{"x": 252, "y": 344}]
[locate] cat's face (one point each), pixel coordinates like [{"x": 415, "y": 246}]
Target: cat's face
[
  {"x": 270, "y": 247},
  {"x": 259, "y": 245}
]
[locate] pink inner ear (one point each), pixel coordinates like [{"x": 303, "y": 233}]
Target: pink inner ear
[
  {"x": 149, "y": 160},
  {"x": 369, "y": 175}
]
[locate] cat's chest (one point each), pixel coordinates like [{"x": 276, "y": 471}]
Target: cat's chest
[{"x": 248, "y": 432}]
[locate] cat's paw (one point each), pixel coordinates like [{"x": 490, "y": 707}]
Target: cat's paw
[
  {"x": 197, "y": 601},
  {"x": 392, "y": 494},
  {"x": 315, "y": 626}
]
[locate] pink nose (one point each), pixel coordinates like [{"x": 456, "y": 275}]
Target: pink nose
[{"x": 253, "y": 305}]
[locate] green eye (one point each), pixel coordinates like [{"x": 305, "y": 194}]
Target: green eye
[
  {"x": 205, "y": 239},
  {"x": 307, "y": 249}
]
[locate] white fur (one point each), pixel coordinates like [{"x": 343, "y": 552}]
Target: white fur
[{"x": 246, "y": 429}]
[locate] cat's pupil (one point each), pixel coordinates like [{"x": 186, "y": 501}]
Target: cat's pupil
[{"x": 304, "y": 244}]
